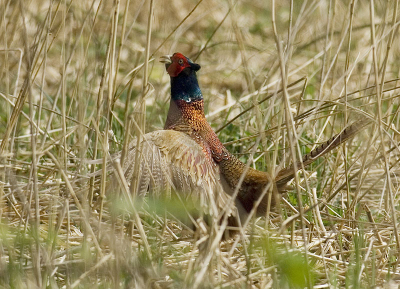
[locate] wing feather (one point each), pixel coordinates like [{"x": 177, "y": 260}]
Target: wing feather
[{"x": 171, "y": 160}]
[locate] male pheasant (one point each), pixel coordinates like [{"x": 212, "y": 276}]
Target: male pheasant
[{"x": 188, "y": 157}]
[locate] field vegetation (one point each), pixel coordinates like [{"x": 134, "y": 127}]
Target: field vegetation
[{"x": 79, "y": 79}]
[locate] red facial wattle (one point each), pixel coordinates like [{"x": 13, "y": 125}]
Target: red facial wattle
[{"x": 179, "y": 63}]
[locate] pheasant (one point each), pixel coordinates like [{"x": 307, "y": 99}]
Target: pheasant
[{"x": 188, "y": 157}]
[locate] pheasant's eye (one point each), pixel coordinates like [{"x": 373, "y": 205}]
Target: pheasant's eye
[{"x": 180, "y": 61}]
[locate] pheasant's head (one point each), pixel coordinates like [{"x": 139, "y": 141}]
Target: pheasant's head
[
  {"x": 184, "y": 85},
  {"x": 179, "y": 65}
]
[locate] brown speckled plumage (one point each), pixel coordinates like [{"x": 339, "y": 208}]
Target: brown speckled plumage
[
  {"x": 172, "y": 161},
  {"x": 190, "y": 119},
  {"x": 188, "y": 156}
]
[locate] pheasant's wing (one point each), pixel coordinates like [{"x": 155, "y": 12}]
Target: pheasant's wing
[{"x": 172, "y": 161}]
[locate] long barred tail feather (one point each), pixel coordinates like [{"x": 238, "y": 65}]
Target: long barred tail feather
[{"x": 285, "y": 175}]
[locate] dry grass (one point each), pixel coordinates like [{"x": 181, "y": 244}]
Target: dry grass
[{"x": 70, "y": 71}]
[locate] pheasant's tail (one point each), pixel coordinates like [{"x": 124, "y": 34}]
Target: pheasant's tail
[{"x": 285, "y": 175}]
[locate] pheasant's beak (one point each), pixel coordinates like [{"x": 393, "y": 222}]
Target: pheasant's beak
[{"x": 166, "y": 59}]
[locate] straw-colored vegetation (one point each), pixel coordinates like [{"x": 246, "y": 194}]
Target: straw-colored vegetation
[{"x": 75, "y": 77}]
